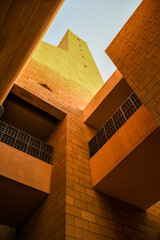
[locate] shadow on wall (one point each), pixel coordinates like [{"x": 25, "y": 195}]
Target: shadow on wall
[{"x": 7, "y": 233}]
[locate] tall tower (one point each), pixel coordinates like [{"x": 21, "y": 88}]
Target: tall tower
[
  {"x": 72, "y": 78},
  {"x": 72, "y": 61}
]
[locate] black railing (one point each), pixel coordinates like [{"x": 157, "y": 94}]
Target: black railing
[
  {"x": 25, "y": 143},
  {"x": 126, "y": 110}
]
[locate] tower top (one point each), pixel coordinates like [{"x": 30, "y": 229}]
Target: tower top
[{"x": 69, "y": 40}]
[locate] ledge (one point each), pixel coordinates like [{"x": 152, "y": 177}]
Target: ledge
[{"x": 39, "y": 100}]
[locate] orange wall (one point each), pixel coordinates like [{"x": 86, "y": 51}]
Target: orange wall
[
  {"x": 101, "y": 95},
  {"x": 129, "y": 136},
  {"x": 48, "y": 221},
  {"x": 24, "y": 168},
  {"x": 31, "y": 20},
  {"x": 106, "y": 102},
  {"x": 136, "y": 53},
  {"x": 74, "y": 210}
]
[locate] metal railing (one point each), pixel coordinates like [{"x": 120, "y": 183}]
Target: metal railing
[
  {"x": 126, "y": 110},
  {"x": 25, "y": 143}
]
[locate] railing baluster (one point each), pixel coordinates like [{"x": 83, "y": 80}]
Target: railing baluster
[
  {"x": 123, "y": 113},
  {"x": 25, "y": 143}
]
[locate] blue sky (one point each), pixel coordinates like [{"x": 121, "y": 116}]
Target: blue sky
[{"x": 95, "y": 21}]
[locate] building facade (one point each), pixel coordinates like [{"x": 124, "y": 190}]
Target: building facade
[{"x": 64, "y": 83}]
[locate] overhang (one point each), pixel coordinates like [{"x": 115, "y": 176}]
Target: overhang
[{"x": 109, "y": 98}]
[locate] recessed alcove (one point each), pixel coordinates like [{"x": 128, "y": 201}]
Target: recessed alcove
[{"x": 28, "y": 118}]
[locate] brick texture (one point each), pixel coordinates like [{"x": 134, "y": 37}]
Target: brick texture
[
  {"x": 74, "y": 210},
  {"x": 48, "y": 221},
  {"x": 136, "y": 53}
]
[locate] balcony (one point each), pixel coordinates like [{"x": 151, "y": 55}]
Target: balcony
[
  {"x": 125, "y": 156},
  {"x": 127, "y": 109},
  {"x": 25, "y": 159},
  {"x": 25, "y": 179},
  {"x": 25, "y": 143}
]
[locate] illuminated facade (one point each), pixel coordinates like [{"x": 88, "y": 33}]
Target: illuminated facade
[{"x": 60, "y": 100}]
